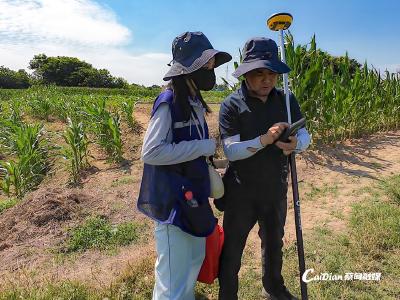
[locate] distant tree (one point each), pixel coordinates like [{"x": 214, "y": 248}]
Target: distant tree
[
  {"x": 61, "y": 70},
  {"x": 95, "y": 78},
  {"x": 70, "y": 71},
  {"x": 37, "y": 63},
  {"x": 120, "y": 82},
  {"x": 10, "y": 79}
]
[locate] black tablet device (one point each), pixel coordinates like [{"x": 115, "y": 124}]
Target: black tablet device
[{"x": 292, "y": 130}]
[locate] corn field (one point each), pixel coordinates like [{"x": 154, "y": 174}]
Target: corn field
[
  {"x": 339, "y": 104},
  {"x": 25, "y": 152},
  {"x": 340, "y": 101}
]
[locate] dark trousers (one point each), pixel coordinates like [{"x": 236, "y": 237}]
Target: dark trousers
[{"x": 244, "y": 206}]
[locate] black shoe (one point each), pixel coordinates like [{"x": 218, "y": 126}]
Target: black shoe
[{"x": 283, "y": 294}]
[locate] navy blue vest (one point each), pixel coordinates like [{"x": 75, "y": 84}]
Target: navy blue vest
[{"x": 161, "y": 189}]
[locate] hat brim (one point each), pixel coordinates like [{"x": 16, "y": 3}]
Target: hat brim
[
  {"x": 178, "y": 69},
  {"x": 274, "y": 65}
]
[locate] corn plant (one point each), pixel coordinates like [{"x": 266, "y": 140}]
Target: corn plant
[
  {"x": 42, "y": 100},
  {"x": 107, "y": 128},
  {"x": 23, "y": 174},
  {"x": 5, "y": 135},
  {"x": 127, "y": 109},
  {"x": 70, "y": 106},
  {"x": 30, "y": 149},
  {"x": 10, "y": 118},
  {"x": 10, "y": 175},
  {"x": 28, "y": 138},
  {"x": 341, "y": 100},
  {"x": 40, "y": 107},
  {"x": 16, "y": 112},
  {"x": 114, "y": 147},
  {"x": 76, "y": 152}
]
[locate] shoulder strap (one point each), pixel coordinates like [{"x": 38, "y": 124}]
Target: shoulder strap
[{"x": 165, "y": 97}]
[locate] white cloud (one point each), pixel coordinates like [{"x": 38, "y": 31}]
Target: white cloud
[
  {"x": 78, "y": 28},
  {"x": 81, "y": 22},
  {"x": 146, "y": 69}
]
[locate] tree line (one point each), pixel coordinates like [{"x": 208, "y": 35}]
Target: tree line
[
  {"x": 71, "y": 71},
  {"x": 61, "y": 71}
]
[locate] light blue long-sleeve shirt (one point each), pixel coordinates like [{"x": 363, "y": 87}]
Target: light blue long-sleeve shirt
[
  {"x": 158, "y": 148},
  {"x": 235, "y": 149}
]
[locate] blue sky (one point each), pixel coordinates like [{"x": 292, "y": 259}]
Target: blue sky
[{"x": 133, "y": 38}]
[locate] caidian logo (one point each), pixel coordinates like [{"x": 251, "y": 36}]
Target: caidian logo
[
  {"x": 348, "y": 276},
  {"x": 320, "y": 277}
]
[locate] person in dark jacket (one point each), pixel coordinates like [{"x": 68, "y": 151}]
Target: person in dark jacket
[
  {"x": 251, "y": 121},
  {"x": 177, "y": 142}
]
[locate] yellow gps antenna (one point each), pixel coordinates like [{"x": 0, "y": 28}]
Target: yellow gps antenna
[{"x": 280, "y": 22}]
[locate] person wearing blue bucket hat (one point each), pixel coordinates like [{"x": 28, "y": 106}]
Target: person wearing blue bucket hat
[
  {"x": 175, "y": 184},
  {"x": 250, "y": 121},
  {"x": 261, "y": 53}
]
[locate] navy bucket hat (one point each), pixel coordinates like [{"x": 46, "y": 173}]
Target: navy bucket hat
[
  {"x": 191, "y": 51},
  {"x": 260, "y": 52}
]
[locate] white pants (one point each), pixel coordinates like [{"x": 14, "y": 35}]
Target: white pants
[{"x": 179, "y": 259}]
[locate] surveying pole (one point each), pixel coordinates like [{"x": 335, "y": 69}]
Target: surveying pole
[{"x": 280, "y": 22}]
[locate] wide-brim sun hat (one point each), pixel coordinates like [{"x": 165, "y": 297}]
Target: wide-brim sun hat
[
  {"x": 191, "y": 51},
  {"x": 260, "y": 53}
]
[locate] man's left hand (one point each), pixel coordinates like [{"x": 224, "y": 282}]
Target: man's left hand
[{"x": 287, "y": 147}]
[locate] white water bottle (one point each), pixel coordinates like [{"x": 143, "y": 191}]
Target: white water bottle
[{"x": 192, "y": 202}]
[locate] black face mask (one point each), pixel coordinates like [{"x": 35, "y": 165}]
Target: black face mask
[{"x": 204, "y": 79}]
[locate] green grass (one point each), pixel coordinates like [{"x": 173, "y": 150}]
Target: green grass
[
  {"x": 98, "y": 233},
  {"x": 392, "y": 188},
  {"x": 122, "y": 181},
  {"x": 7, "y": 203},
  {"x": 318, "y": 192},
  {"x": 376, "y": 226},
  {"x": 372, "y": 244},
  {"x": 136, "y": 282},
  {"x": 337, "y": 214},
  {"x": 66, "y": 290}
]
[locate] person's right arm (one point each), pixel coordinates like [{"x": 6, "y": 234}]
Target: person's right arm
[
  {"x": 158, "y": 148},
  {"x": 234, "y": 148}
]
